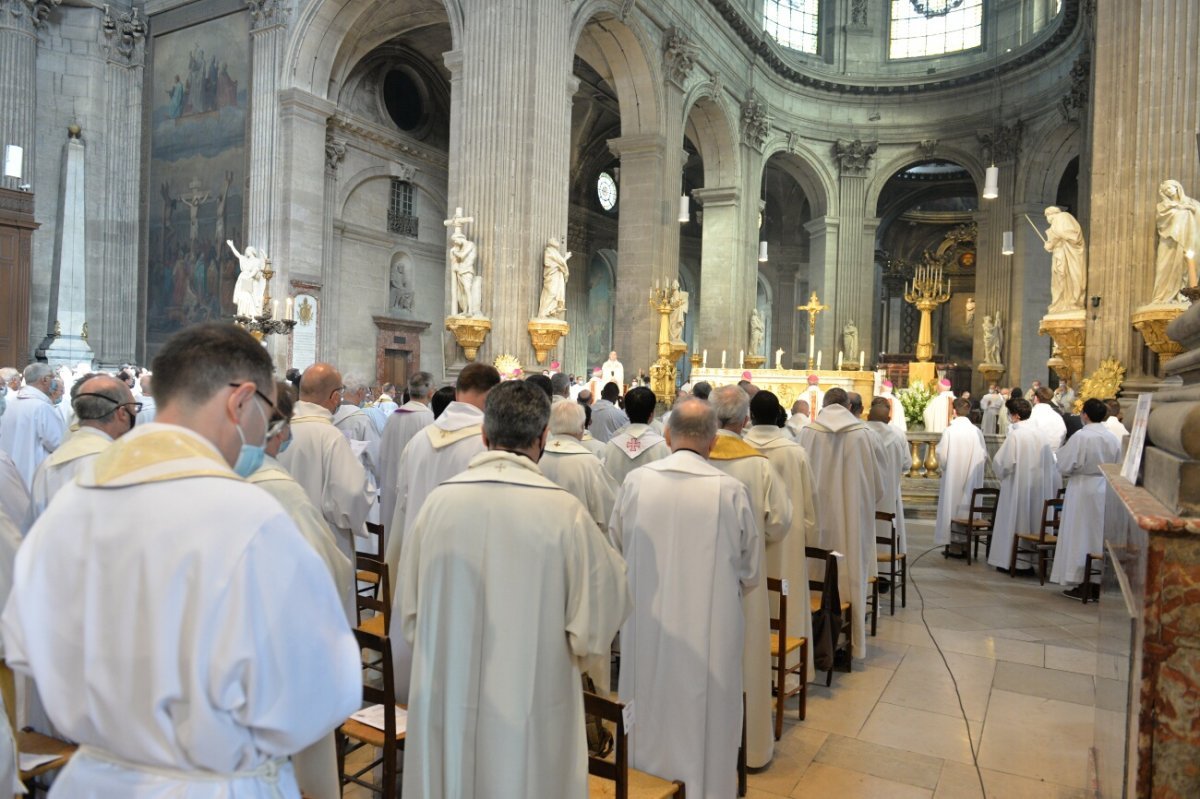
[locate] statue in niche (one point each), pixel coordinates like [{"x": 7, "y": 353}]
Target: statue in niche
[
  {"x": 400, "y": 293},
  {"x": 1178, "y": 221},
  {"x": 553, "y": 302},
  {"x": 1068, "y": 265},
  {"x": 251, "y": 284},
  {"x": 850, "y": 340},
  {"x": 993, "y": 339},
  {"x": 757, "y": 332},
  {"x": 679, "y": 309},
  {"x": 468, "y": 289},
  {"x": 970, "y": 312}
]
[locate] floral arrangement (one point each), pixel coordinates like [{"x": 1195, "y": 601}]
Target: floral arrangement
[{"x": 914, "y": 399}]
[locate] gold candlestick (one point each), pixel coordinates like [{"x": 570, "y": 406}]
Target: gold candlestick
[
  {"x": 662, "y": 372},
  {"x": 928, "y": 290}
]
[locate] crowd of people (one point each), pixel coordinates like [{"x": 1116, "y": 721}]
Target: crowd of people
[{"x": 181, "y": 589}]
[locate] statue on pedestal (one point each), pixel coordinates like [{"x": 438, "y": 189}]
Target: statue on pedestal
[
  {"x": 1177, "y": 219},
  {"x": 757, "y": 332},
  {"x": 679, "y": 309},
  {"x": 553, "y": 302},
  {"x": 970, "y": 312},
  {"x": 1068, "y": 266},
  {"x": 850, "y": 339},
  {"x": 400, "y": 292},
  {"x": 250, "y": 285},
  {"x": 993, "y": 339},
  {"x": 468, "y": 291}
]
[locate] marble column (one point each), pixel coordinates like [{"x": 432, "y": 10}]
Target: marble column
[
  {"x": 723, "y": 325},
  {"x": 510, "y": 104},
  {"x": 1144, "y": 114},
  {"x": 66, "y": 343},
  {"x": 268, "y": 38},
  {"x": 20, "y": 21}
]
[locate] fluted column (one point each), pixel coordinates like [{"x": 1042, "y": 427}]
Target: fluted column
[
  {"x": 722, "y": 321},
  {"x": 511, "y": 87},
  {"x": 823, "y": 238},
  {"x": 268, "y": 36},
  {"x": 1024, "y": 355},
  {"x": 850, "y": 288},
  {"x": 327, "y": 344},
  {"x": 993, "y": 283},
  {"x": 20, "y": 21}
]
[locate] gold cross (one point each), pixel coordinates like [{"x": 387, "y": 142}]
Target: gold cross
[{"x": 813, "y": 308}]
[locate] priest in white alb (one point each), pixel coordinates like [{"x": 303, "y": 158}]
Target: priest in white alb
[
  {"x": 572, "y": 466},
  {"x": 690, "y": 542},
  {"x": 962, "y": 456},
  {"x": 10, "y": 541},
  {"x": 1025, "y": 466},
  {"x": 799, "y": 418},
  {"x": 31, "y": 427},
  {"x": 1046, "y": 418},
  {"x": 898, "y": 462},
  {"x": 613, "y": 372},
  {"x": 939, "y": 412},
  {"x": 849, "y": 487},
  {"x": 637, "y": 443},
  {"x": 14, "y": 496},
  {"x": 1113, "y": 423},
  {"x": 321, "y": 460},
  {"x": 505, "y": 587},
  {"x": 240, "y": 656},
  {"x": 353, "y": 421},
  {"x": 773, "y": 515},
  {"x": 814, "y": 396},
  {"x": 403, "y": 423},
  {"x": 992, "y": 405},
  {"x": 897, "y": 408},
  {"x": 106, "y": 411}
]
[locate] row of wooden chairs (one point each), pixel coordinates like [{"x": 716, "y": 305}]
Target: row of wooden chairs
[{"x": 981, "y": 522}]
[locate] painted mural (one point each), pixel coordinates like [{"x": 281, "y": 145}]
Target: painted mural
[{"x": 197, "y": 173}]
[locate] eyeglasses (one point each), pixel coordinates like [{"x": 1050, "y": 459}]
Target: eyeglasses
[
  {"x": 261, "y": 396},
  {"x": 276, "y": 427},
  {"x": 137, "y": 407}
]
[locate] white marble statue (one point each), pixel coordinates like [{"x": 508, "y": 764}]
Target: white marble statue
[
  {"x": 757, "y": 332},
  {"x": 679, "y": 309},
  {"x": 400, "y": 293},
  {"x": 468, "y": 290},
  {"x": 1178, "y": 221},
  {"x": 970, "y": 313},
  {"x": 1068, "y": 265},
  {"x": 850, "y": 339},
  {"x": 251, "y": 284},
  {"x": 779, "y": 358},
  {"x": 993, "y": 339},
  {"x": 553, "y": 302}
]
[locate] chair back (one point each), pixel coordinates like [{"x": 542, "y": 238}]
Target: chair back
[
  {"x": 779, "y": 622},
  {"x": 382, "y": 601},
  {"x": 828, "y": 585},
  {"x": 371, "y": 691},
  {"x": 377, "y": 531},
  {"x": 983, "y": 504},
  {"x": 888, "y": 540},
  {"x": 1051, "y": 516},
  {"x": 617, "y": 769}
]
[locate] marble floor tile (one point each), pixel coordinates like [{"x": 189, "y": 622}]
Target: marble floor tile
[
  {"x": 1046, "y": 683},
  {"x": 880, "y": 761},
  {"x": 922, "y": 683},
  {"x": 1030, "y": 736},
  {"x": 1069, "y": 658},
  {"x": 959, "y": 781},
  {"x": 984, "y": 645},
  {"x": 845, "y": 706},
  {"x": 919, "y": 731},
  {"x": 823, "y": 780}
]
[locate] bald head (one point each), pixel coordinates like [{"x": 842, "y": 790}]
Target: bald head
[
  {"x": 104, "y": 403},
  {"x": 692, "y": 425},
  {"x": 321, "y": 384},
  {"x": 800, "y": 407}
]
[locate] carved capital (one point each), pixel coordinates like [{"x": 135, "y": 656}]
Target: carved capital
[
  {"x": 405, "y": 172},
  {"x": 626, "y": 9},
  {"x": 335, "y": 152},
  {"x": 1075, "y": 100},
  {"x": 28, "y": 15},
  {"x": 756, "y": 121},
  {"x": 1003, "y": 143},
  {"x": 679, "y": 56},
  {"x": 268, "y": 13},
  {"x": 123, "y": 37},
  {"x": 928, "y": 147},
  {"x": 854, "y": 157}
]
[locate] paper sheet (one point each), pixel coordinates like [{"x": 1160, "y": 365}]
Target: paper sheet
[
  {"x": 373, "y": 717},
  {"x": 27, "y": 761}
]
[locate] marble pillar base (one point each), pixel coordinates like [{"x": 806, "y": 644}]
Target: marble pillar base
[
  {"x": 544, "y": 334},
  {"x": 469, "y": 332},
  {"x": 66, "y": 351},
  {"x": 1069, "y": 333},
  {"x": 1151, "y": 321}
]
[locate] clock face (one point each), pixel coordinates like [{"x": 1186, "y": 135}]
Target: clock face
[{"x": 606, "y": 191}]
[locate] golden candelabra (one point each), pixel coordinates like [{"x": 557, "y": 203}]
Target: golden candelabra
[
  {"x": 662, "y": 372},
  {"x": 928, "y": 290},
  {"x": 265, "y": 324}
]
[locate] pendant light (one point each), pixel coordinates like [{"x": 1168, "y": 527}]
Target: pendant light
[
  {"x": 762, "y": 252},
  {"x": 991, "y": 183},
  {"x": 684, "y": 209}
]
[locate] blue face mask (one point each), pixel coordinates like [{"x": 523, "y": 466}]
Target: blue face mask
[
  {"x": 286, "y": 443},
  {"x": 251, "y": 457}
]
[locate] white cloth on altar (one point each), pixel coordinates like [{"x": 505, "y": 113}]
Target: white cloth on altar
[
  {"x": 992, "y": 405},
  {"x": 939, "y": 412},
  {"x": 14, "y": 495},
  {"x": 404, "y": 423},
  {"x": 30, "y": 429},
  {"x": 356, "y": 425},
  {"x": 898, "y": 421},
  {"x": 962, "y": 457},
  {"x": 633, "y": 447},
  {"x": 572, "y": 466},
  {"x": 773, "y": 514},
  {"x": 61, "y": 467},
  {"x": 1081, "y": 530},
  {"x": 785, "y": 560},
  {"x": 841, "y": 451},
  {"x": 248, "y": 660},
  {"x": 323, "y": 463},
  {"x": 501, "y": 606},
  {"x": 898, "y": 462},
  {"x": 612, "y": 372},
  {"x": 1049, "y": 422},
  {"x": 1025, "y": 466},
  {"x": 689, "y": 539},
  {"x": 607, "y": 420}
]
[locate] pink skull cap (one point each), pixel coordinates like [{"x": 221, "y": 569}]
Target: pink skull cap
[
  {"x": 944, "y": 383},
  {"x": 813, "y": 380},
  {"x": 886, "y": 384},
  {"x": 746, "y": 375}
]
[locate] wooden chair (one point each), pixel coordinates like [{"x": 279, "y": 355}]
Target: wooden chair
[
  {"x": 781, "y": 646},
  {"x": 824, "y": 597},
  {"x": 389, "y": 741},
  {"x": 378, "y": 603},
  {"x": 873, "y": 604},
  {"x": 614, "y": 778},
  {"x": 1088, "y": 560},
  {"x": 30, "y": 742},
  {"x": 979, "y": 522},
  {"x": 897, "y": 562},
  {"x": 1043, "y": 543},
  {"x": 368, "y": 581}
]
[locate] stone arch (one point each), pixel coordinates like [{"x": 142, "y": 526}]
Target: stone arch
[
  {"x": 1037, "y": 181},
  {"x": 621, "y": 51},
  {"x": 968, "y": 161},
  {"x": 814, "y": 176},
  {"x": 356, "y": 181},
  {"x": 710, "y": 125}
]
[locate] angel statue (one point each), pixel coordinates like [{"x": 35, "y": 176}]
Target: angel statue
[
  {"x": 993, "y": 339},
  {"x": 251, "y": 284}
]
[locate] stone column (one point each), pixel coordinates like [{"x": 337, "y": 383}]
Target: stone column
[
  {"x": 1144, "y": 113},
  {"x": 19, "y": 24},
  {"x": 514, "y": 65},
  {"x": 115, "y": 329},
  {"x": 723, "y": 324},
  {"x": 823, "y": 238},
  {"x": 268, "y": 38},
  {"x": 1025, "y": 355},
  {"x": 851, "y": 287},
  {"x": 993, "y": 271},
  {"x": 327, "y": 343}
]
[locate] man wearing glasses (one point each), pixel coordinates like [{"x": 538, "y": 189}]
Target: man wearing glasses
[{"x": 205, "y": 644}]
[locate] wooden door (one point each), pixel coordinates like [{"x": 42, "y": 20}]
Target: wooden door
[
  {"x": 16, "y": 228},
  {"x": 396, "y": 368}
]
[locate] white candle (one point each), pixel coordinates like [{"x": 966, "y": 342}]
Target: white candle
[
  {"x": 722, "y": 359},
  {"x": 862, "y": 361},
  {"x": 818, "y": 360},
  {"x": 288, "y": 313},
  {"x": 839, "y": 360},
  {"x": 812, "y": 345},
  {"x": 741, "y": 358},
  {"x": 704, "y": 359},
  {"x": 275, "y": 308}
]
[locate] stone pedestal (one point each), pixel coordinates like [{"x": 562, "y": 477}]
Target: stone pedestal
[
  {"x": 1151, "y": 321},
  {"x": 67, "y": 344},
  {"x": 469, "y": 332},
  {"x": 1069, "y": 332},
  {"x": 754, "y": 361},
  {"x": 544, "y": 334},
  {"x": 992, "y": 372}
]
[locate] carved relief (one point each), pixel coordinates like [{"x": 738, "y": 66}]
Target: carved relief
[
  {"x": 265, "y": 13},
  {"x": 679, "y": 56},
  {"x": 30, "y": 15},
  {"x": 335, "y": 152},
  {"x": 854, "y": 157},
  {"x": 756, "y": 121},
  {"x": 858, "y": 13},
  {"x": 1003, "y": 143},
  {"x": 405, "y": 172},
  {"x": 124, "y": 36},
  {"x": 626, "y": 9},
  {"x": 1076, "y": 98},
  {"x": 928, "y": 147}
]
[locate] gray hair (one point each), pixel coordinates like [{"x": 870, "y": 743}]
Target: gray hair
[
  {"x": 560, "y": 384},
  {"x": 420, "y": 385},
  {"x": 36, "y": 371},
  {"x": 99, "y": 402},
  {"x": 355, "y": 382},
  {"x": 515, "y": 414},
  {"x": 7, "y": 374},
  {"x": 731, "y": 404},
  {"x": 694, "y": 420},
  {"x": 567, "y": 418}
]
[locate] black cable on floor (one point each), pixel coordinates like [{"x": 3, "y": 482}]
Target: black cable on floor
[{"x": 946, "y": 663}]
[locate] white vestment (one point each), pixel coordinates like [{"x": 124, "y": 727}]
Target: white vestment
[
  {"x": 1049, "y": 422},
  {"x": 607, "y": 420},
  {"x": 633, "y": 447},
  {"x": 64, "y": 463},
  {"x": 898, "y": 421},
  {"x": 240, "y": 655},
  {"x": 356, "y": 425},
  {"x": 148, "y": 412},
  {"x": 322, "y": 462},
  {"x": 501, "y": 606},
  {"x": 899, "y": 461},
  {"x": 316, "y": 766},
  {"x": 612, "y": 372},
  {"x": 30, "y": 429},
  {"x": 596, "y": 447},
  {"x": 1117, "y": 428},
  {"x": 992, "y": 405},
  {"x": 786, "y": 560},
  {"x": 939, "y": 412},
  {"x": 572, "y": 466},
  {"x": 795, "y": 423},
  {"x": 1025, "y": 466},
  {"x": 962, "y": 457},
  {"x": 407, "y": 420},
  {"x": 14, "y": 496},
  {"x": 773, "y": 515},
  {"x": 841, "y": 451},
  {"x": 690, "y": 542},
  {"x": 380, "y": 411},
  {"x": 10, "y": 540},
  {"x": 1082, "y": 528}
]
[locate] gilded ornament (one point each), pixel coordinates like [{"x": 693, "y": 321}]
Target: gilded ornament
[{"x": 1104, "y": 383}]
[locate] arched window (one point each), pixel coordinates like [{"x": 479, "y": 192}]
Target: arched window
[
  {"x": 792, "y": 23},
  {"x": 922, "y": 28}
]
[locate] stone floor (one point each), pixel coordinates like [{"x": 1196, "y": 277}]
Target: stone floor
[{"x": 1023, "y": 657}]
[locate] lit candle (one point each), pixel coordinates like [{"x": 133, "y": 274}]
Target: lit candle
[
  {"x": 812, "y": 345},
  {"x": 288, "y": 313},
  {"x": 818, "y": 360},
  {"x": 862, "y": 361},
  {"x": 741, "y": 358},
  {"x": 704, "y": 359},
  {"x": 839, "y": 360},
  {"x": 722, "y": 359}
]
